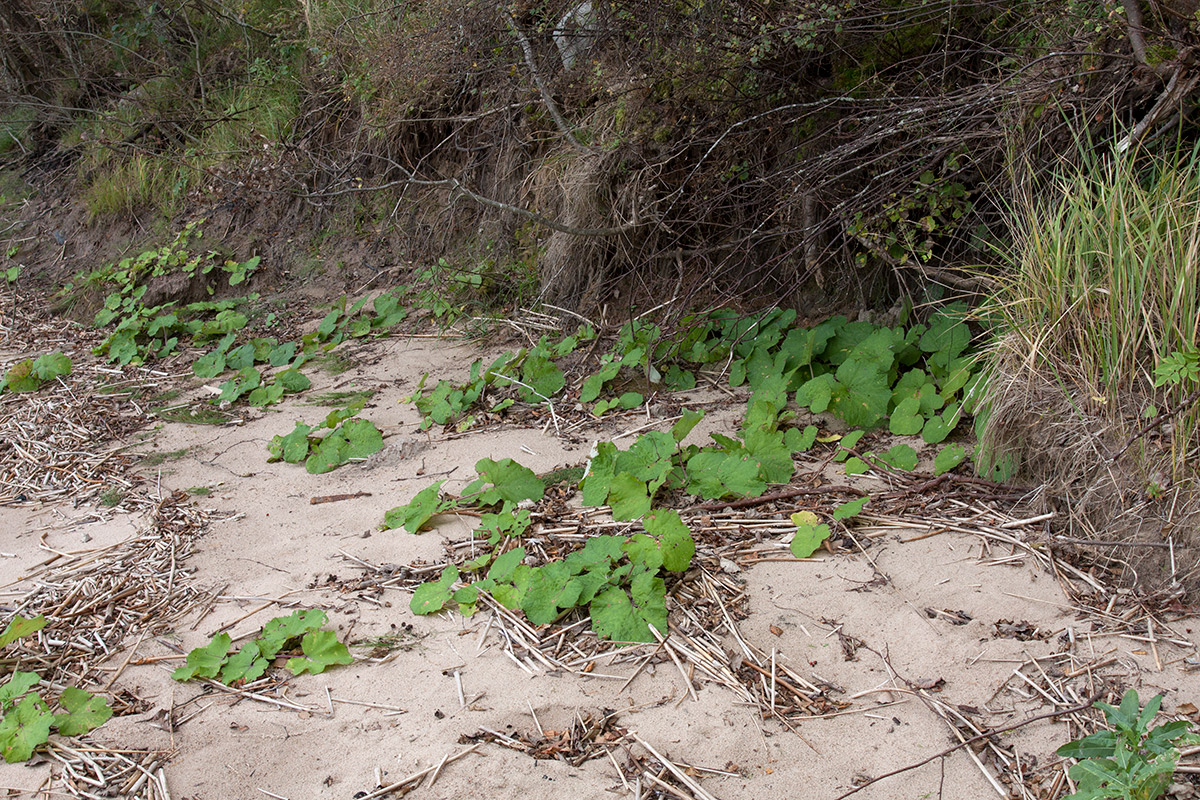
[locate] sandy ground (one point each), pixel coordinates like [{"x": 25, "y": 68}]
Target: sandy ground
[{"x": 357, "y": 727}]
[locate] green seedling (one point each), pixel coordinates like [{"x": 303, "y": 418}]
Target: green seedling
[{"x": 1132, "y": 761}]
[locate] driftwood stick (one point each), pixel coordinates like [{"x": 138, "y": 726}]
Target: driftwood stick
[{"x": 336, "y": 498}]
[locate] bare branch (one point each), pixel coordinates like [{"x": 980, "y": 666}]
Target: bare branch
[{"x": 564, "y": 126}]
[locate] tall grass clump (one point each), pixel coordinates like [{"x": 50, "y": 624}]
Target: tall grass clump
[{"x": 1097, "y": 320}]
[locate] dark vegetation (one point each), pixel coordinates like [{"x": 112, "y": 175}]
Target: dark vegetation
[
  {"x": 851, "y": 151},
  {"x": 599, "y": 157}
]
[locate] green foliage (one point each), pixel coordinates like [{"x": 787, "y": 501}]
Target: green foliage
[
  {"x": 615, "y": 577},
  {"x": 863, "y": 373},
  {"x": 25, "y": 728},
  {"x": 20, "y": 627},
  {"x": 627, "y": 480},
  {"x": 532, "y": 371},
  {"x": 29, "y": 375},
  {"x": 347, "y": 440},
  {"x": 912, "y": 222},
  {"x": 414, "y": 516},
  {"x": 84, "y": 712},
  {"x": 319, "y": 650},
  {"x": 948, "y": 458},
  {"x": 810, "y": 534},
  {"x": 1132, "y": 761},
  {"x": 27, "y": 719},
  {"x": 851, "y": 508},
  {"x": 503, "y": 484},
  {"x": 143, "y": 333}
]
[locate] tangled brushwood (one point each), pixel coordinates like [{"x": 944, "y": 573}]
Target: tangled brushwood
[{"x": 808, "y": 150}]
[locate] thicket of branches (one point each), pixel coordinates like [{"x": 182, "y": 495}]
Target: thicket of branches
[{"x": 850, "y": 149}]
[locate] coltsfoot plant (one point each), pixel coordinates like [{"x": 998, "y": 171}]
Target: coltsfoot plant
[
  {"x": 302, "y": 631},
  {"x": 1132, "y": 761},
  {"x": 26, "y": 718}
]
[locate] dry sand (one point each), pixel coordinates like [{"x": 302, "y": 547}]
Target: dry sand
[{"x": 834, "y": 620}]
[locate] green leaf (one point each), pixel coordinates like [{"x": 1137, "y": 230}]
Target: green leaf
[
  {"x": 209, "y": 365},
  {"x": 846, "y": 444},
  {"x": 906, "y": 418},
  {"x": 628, "y": 497},
  {"x": 293, "y": 380},
  {"x": 206, "y": 661},
  {"x": 354, "y": 440},
  {"x": 550, "y": 588},
  {"x": 643, "y": 551},
  {"x": 850, "y": 509},
  {"x": 863, "y": 394},
  {"x": 17, "y": 686},
  {"x": 321, "y": 650},
  {"x": 615, "y": 616},
  {"x": 504, "y": 565},
  {"x": 597, "y": 482},
  {"x": 947, "y": 333},
  {"x": 20, "y": 377},
  {"x": 510, "y": 481},
  {"x": 282, "y": 354},
  {"x": 431, "y": 597},
  {"x": 265, "y": 395},
  {"x": 327, "y": 326},
  {"x": 1097, "y": 745},
  {"x": 25, "y": 728},
  {"x": 85, "y": 712},
  {"x": 936, "y": 430},
  {"x": 20, "y": 627},
  {"x": 542, "y": 376},
  {"x": 594, "y": 384},
  {"x": 901, "y": 456},
  {"x": 279, "y": 631},
  {"x": 51, "y": 365},
  {"x": 856, "y": 466},
  {"x": 799, "y": 441},
  {"x": 951, "y": 456},
  {"x": 247, "y": 379},
  {"x": 418, "y": 512},
  {"x": 240, "y": 357},
  {"x": 674, "y": 538},
  {"x": 649, "y": 459},
  {"x": 715, "y": 475},
  {"x": 247, "y": 664},
  {"x": 292, "y": 448},
  {"x": 810, "y": 534},
  {"x": 817, "y": 394},
  {"x": 685, "y": 424}
]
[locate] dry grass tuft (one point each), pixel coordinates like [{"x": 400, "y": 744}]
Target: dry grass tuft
[{"x": 1099, "y": 301}]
